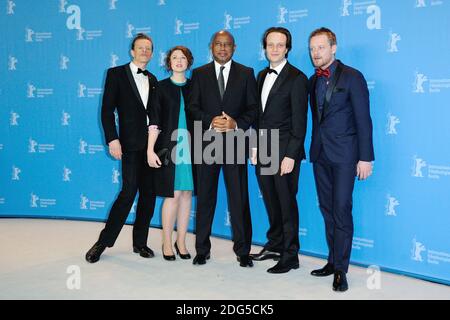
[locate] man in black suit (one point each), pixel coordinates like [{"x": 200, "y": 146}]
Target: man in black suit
[
  {"x": 223, "y": 98},
  {"x": 341, "y": 147},
  {"x": 128, "y": 90},
  {"x": 282, "y": 109}
]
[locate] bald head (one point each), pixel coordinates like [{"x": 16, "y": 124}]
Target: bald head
[{"x": 222, "y": 32}]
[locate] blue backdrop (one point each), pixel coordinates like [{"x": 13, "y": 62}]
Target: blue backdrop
[{"x": 54, "y": 55}]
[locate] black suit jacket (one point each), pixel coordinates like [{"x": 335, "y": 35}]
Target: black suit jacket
[
  {"x": 286, "y": 109},
  {"x": 239, "y": 100},
  {"x": 165, "y": 113},
  {"x": 121, "y": 93}
]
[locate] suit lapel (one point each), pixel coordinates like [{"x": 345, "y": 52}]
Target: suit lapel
[
  {"x": 213, "y": 78},
  {"x": 261, "y": 80},
  {"x": 330, "y": 89},
  {"x": 232, "y": 80},
  {"x": 314, "y": 102},
  {"x": 150, "y": 90},
  {"x": 277, "y": 84},
  {"x": 133, "y": 84}
]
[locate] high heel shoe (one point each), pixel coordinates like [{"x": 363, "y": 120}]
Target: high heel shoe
[
  {"x": 182, "y": 256},
  {"x": 168, "y": 258}
]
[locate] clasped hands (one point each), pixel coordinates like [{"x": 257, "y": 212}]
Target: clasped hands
[{"x": 223, "y": 123}]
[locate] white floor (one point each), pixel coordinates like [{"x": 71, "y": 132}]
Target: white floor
[{"x": 40, "y": 259}]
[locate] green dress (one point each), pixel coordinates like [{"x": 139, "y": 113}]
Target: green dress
[{"x": 183, "y": 166}]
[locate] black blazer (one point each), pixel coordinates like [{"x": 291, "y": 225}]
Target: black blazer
[
  {"x": 344, "y": 128},
  {"x": 165, "y": 114},
  {"x": 286, "y": 109},
  {"x": 121, "y": 93},
  {"x": 239, "y": 100}
]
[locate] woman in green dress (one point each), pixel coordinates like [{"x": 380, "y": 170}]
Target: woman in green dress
[{"x": 168, "y": 121}]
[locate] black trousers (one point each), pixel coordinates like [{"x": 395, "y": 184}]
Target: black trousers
[
  {"x": 280, "y": 199},
  {"x": 235, "y": 176},
  {"x": 136, "y": 176},
  {"x": 334, "y": 184}
]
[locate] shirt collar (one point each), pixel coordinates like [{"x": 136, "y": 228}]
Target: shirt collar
[
  {"x": 226, "y": 65},
  {"x": 280, "y": 66},
  {"x": 332, "y": 68},
  {"x": 134, "y": 68}
]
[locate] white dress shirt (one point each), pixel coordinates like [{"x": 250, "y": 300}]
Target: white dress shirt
[
  {"x": 226, "y": 71},
  {"x": 142, "y": 84},
  {"x": 269, "y": 81},
  {"x": 226, "y": 74},
  {"x": 141, "y": 81}
]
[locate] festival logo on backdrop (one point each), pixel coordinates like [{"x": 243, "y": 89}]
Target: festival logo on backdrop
[
  {"x": 419, "y": 81},
  {"x": 392, "y": 122},
  {"x": 417, "y": 249},
  {"x": 113, "y": 60},
  {"x": 65, "y": 118},
  {"x": 85, "y": 148},
  {"x": 345, "y": 6},
  {"x": 112, "y": 4},
  {"x": 433, "y": 171},
  {"x": 13, "y": 120},
  {"x": 420, "y": 4},
  {"x": 434, "y": 85},
  {"x": 10, "y": 7},
  {"x": 286, "y": 15},
  {"x": 66, "y": 174},
  {"x": 418, "y": 166},
  {"x": 63, "y": 61},
  {"x": 33, "y": 36},
  {"x": 87, "y": 204},
  {"x": 185, "y": 28},
  {"x": 162, "y": 58},
  {"x": 115, "y": 176},
  {"x": 131, "y": 30},
  {"x": 392, "y": 43},
  {"x": 85, "y": 92},
  {"x": 12, "y": 63},
  {"x": 34, "y": 92},
  {"x": 231, "y": 22},
  {"x": 15, "y": 173},
  {"x": 37, "y": 202},
  {"x": 392, "y": 202},
  {"x": 35, "y": 147}
]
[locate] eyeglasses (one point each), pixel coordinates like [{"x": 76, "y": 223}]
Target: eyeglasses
[{"x": 223, "y": 44}]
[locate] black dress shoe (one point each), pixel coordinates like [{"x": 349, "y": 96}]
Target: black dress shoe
[
  {"x": 93, "y": 255},
  {"x": 324, "y": 272},
  {"x": 340, "y": 281},
  {"x": 182, "y": 255},
  {"x": 245, "y": 261},
  {"x": 144, "y": 251},
  {"x": 200, "y": 259},
  {"x": 169, "y": 257},
  {"x": 283, "y": 267},
  {"x": 265, "y": 255}
]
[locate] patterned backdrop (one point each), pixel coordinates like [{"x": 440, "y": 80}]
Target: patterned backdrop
[{"x": 53, "y": 161}]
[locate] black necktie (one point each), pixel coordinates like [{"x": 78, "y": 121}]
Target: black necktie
[
  {"x": 145, "y": 72},
  {"x": 221, "y": 82},
  {"x": 269, "y": 71}
]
